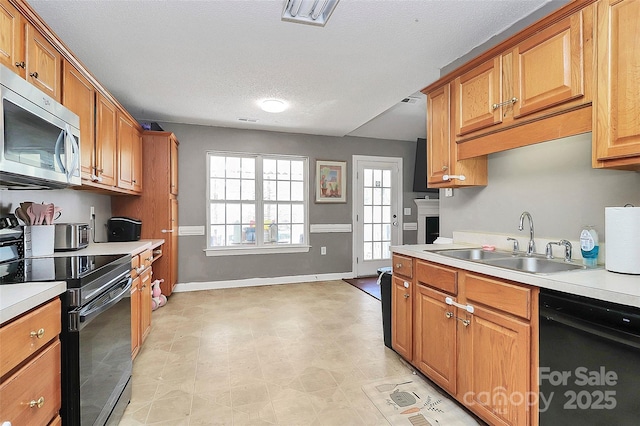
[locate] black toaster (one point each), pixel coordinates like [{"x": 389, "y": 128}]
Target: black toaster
[{"x": 123, "y": 229}]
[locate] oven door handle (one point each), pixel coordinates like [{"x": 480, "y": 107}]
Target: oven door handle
[
  {"x": 603, "y": 332},
  {"x": 79, "y": 318}
]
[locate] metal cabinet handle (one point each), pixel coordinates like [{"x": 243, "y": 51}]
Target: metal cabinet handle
[
  {"x": 445, "y": 168},
  {"x": 166, "y": 231},
  {"x": 21, "y": 64},
  {"x": 508, "y": 102},
  {"x": 39, "y": 334},
  {"x": 37, "y": 403},
  {"x": 406, "y": 296},
  {"x": 157, "y": 252},
  {"x": 398, "y": 265},
  {"x": 448, "y": 314},
  {"x": 465, "y": 322},
  {"x": 34, "y": 74},
  {"x": 139, "y": 270}
]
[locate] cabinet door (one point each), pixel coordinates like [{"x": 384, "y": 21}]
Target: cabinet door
[
  {"x": 44, "y": 64},
  {"x": 106, "y": 141},
  {"x": 402, "y": 317},
  {"x": 136, "y": 161},
  {"x": 11, "y": 38},
  {"x": 435, "y": 337},
  {"x": 616, "y": 122},
  {"x": 438, "y": 134},
  {"x": 80, "y": 97},
  {"x": 145, "y": 304},
  {"x": 174, "y": 166},
  {"x": 125, "y": 152},
  {"x": 173, "y": 249},
  {"x": 494, "y": 364},
  {"x": 477, "y": 95},
  {"x": 135, "y": 317},
  {"x": 549, "y": 67}
]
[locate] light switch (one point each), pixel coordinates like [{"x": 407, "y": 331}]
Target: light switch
[{"x": 407, "y": 211}]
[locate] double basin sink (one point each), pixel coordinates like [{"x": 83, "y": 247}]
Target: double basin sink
[{"x": 519, "y": 262}]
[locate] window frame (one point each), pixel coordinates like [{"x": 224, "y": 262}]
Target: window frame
[{"x": 259, "y": 204}]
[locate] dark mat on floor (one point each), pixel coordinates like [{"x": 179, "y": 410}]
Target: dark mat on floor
[{"x": 367, "y": 284}]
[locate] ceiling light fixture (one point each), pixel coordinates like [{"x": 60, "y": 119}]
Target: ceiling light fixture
[
  {"x": 273, "y": 105},
  {"x": 313, "y": 12}
]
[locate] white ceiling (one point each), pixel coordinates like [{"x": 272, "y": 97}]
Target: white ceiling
[{"x": 210, "y": 61}]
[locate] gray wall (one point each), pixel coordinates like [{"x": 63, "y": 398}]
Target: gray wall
[
  {"x": 75, "y": 205},
  {"x": 554, "y": 181},
  {"x": 195, "y": 266}
]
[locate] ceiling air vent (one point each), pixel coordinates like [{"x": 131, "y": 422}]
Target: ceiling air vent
[
  {"x": 248, "y": 120},
  {"x": 313, "y": 12},
  {"x": 410, "y": 100}
]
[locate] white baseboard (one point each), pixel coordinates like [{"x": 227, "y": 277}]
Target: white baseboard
[{"x": 254, "y": 282}]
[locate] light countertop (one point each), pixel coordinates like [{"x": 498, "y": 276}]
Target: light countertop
[
  {"x": 16, "y": 299},
  {"x": 596, "y": 283}
]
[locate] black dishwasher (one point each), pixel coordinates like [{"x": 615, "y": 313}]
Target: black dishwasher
[{"x": 589, "y": 361}]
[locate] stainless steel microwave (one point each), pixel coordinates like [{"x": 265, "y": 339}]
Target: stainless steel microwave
[{"x": 39, "y": 137}]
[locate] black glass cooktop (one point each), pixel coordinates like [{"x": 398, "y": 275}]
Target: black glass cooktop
[{"x": 75, "y": 270}]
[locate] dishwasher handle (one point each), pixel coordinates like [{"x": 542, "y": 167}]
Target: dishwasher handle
[{"x": 604, "y": 332}]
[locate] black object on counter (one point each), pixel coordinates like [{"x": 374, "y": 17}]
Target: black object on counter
[{"x": 123, "y": 229}]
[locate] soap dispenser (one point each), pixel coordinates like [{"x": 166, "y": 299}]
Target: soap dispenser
[{"x": 589, "y": 246}]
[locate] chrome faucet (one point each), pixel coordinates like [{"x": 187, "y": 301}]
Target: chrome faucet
[
  {"x": 531, "y": 248},
  {"x": 567, "y": 250}
]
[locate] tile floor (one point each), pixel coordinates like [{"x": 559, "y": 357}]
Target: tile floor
[{"x": 293, "y": 354}]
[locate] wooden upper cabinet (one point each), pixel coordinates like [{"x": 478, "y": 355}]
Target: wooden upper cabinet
[
  {"x": 549, "y": 67},
  {"x": 80, "y": 97},
  {"x": 126, "y": 144},
  {"x": 438, "y": 134},
  {"x": 136, "y": 161},
  {"x": 616, "y": 124},
  {"x": 476, "y": 95},
  {"x": 44, "y": 64},
  {"x": 174, "y": 166},
  {"x": 12, "y": 53},
  {"x": 106, "y": 141}
]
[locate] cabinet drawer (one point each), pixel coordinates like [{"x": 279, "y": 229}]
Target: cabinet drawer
[
  {"x": 146, "y": 257},
  {"x": 402, "y": 266},
  {"x": 26, "y": 335},
  {"x": 440, "y": 277},
  {"x": 510, "y": 298},
  {"x": 38, "y": 381},
  {"x": 135, "y": 265}
]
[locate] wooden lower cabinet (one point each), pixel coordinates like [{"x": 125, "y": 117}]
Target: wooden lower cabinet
[
  {"x": 141, "y": 273},
  {"x": 402, "y": 317},
  {"x": 30, "y": 382},
  {"x": 494, "y": 366},
  {"x": 435, "y": 345},
  {"x": 473, "y": 335}
]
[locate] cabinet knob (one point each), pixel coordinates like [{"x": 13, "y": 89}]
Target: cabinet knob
[
  {"x": 34, "y": 74},
  {"x": 21, "y": 64},
  {"x": 37, "y": 403},
  {"x": 39, "y": 334},
  {"x": 406, "y": 296},
  {"x": 448, "y": 314},
  {"x": 445, "y": 168},
  {"x": 398, "y": 265},
  {"x": 134, "y": 181}
]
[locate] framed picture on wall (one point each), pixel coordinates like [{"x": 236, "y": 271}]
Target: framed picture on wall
[{"x": 331, "y": 181}]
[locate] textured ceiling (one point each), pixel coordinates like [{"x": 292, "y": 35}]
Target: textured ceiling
[{"x": 210, "y": 61}]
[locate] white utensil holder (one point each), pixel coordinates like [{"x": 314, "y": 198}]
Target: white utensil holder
[{"x": 39, "y": 240}]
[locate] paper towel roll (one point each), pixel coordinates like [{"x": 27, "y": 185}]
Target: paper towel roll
[{"x": 622, "y": 233}]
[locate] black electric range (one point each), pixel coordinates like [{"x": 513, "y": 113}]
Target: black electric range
[{"x": 87, "y": 275}]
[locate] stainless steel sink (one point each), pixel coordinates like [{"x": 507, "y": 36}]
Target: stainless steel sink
[
  {"x": 535, "y": 265},
  {"x": 519, "y": 262},
  {"x": 474, "y": 254}
]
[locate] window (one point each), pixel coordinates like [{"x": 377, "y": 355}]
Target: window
[{"x": 257, "y": 203}]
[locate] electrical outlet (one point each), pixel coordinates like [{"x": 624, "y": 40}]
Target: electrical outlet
[
  {"x": 323, "y": 251},
  {"x": 448, "y": 192},
  {"x": 407, "y": 211}
]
